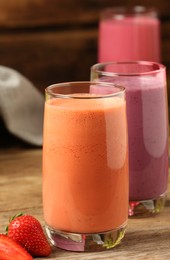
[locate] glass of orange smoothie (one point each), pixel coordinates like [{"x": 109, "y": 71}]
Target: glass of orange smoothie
[{"x": 85, "y": 166}]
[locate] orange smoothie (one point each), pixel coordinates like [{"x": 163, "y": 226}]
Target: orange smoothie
[{"x": 85, "y": 164}]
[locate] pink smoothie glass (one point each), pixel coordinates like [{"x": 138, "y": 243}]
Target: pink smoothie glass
[
  {"x": 147, "y": 114},
  {"x": 129, "y": 34}
]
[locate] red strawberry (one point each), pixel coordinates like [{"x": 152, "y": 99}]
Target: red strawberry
[
  {"x": 10, "y": 250},
  {"x": 27, "y": 231}
]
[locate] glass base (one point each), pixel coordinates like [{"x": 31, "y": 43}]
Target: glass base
[
  {"x": 145, "y": 208},
  {"x": 85, "y": 242}
]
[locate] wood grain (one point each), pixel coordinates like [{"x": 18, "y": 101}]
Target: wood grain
[
  {"x": 32, "y": 13},
  {"x": 20, "y": 190},
  {"x": 49, "y": 57}
]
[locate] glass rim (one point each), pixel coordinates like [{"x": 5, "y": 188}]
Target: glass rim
[
  {"x": 97, "y": 68},
  {"x": 118, "y": 12},
  {"x": 49, "y": 90}
]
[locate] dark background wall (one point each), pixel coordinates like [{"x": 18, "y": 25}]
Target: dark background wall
[
  {"x": 56, "y": 40},
  {"x": 52, "y": 41}
]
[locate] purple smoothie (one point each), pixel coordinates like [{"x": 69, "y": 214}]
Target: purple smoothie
[
  {"x": 147, "y": 134},
  {"x": 148, "y": 138}
]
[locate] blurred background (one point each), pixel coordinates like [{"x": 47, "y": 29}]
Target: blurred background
[
  {"x": 51, "y": 41},
  {"x": 56, "y": 40}
]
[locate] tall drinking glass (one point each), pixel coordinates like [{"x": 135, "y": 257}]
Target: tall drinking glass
[
  {"x": 85, "y": 166},
  {"x": 147, "y": 115},
  {"x": 129, "y": 34}
]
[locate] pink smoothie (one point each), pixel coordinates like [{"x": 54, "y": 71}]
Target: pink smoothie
[
  {"x": 147, "y": 134},
  {"x": 129, "y": 38}
]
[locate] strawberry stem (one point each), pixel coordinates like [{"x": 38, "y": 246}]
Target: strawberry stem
[
  {"x": 12, "y": 218},
  {"x": 16, "y": 216}
]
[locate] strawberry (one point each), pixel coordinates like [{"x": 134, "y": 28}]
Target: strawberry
[
  {"x": 27, "y": 231},
  {"x": 10, "y": 250}
]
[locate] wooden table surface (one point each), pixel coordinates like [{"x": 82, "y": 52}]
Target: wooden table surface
[{"x": 20, "y": 191}]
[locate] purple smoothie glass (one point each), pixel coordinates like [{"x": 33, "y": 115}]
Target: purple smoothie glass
[{"x": 147, "y": 115}]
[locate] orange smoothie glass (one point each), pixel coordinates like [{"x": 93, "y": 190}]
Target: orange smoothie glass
[{"x": 85, "y": 166}]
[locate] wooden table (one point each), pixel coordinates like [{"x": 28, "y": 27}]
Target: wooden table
[{"x": 20, "y": 191}]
